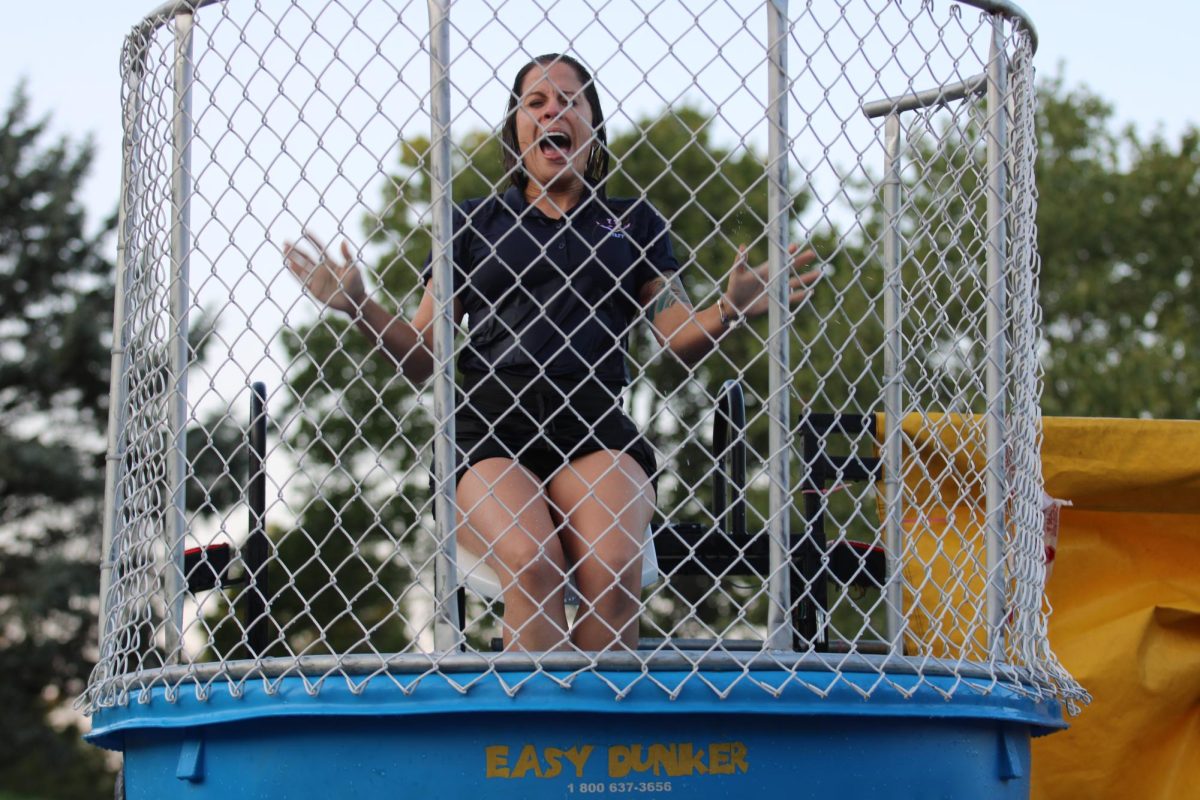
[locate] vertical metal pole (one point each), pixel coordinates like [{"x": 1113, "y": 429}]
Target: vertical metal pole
[
  {"x": 893, "y": 379},
  {"x": 446, "y": 634},
  {"x": 258, "y": 570},
  {"x": 177, "y": 359},
  {"x": 779, "y": 635},
  {"x": 996, "y": 336},
  {"x": 117, "y": 379}
]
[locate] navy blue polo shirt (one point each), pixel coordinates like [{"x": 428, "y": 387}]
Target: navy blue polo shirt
[{"x": 554, "y": 296}]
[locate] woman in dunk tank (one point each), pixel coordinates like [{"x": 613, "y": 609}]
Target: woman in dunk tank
[{"x": 554, "y": 479}]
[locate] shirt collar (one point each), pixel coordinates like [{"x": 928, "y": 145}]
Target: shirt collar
[{"x": 514, "y": 198}]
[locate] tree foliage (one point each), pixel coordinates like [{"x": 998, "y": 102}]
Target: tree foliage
[
  {"x": 55, "y": 323},
  {"x": 1119, "y": 237}
]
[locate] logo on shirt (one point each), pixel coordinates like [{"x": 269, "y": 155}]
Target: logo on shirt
[{"x": 613, "y": 226}]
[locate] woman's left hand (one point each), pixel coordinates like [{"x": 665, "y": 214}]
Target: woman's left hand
[{"x": 747, "y": 289}]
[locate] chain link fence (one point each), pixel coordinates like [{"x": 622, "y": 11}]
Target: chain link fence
[{"x": 846, "y": 481}]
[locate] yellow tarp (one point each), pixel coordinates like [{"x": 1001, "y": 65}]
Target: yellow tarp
[
  {"x": 1125, "y": 590},
  {"x": 1126, "y": 598},
  {"x": 943, "y": 561}
]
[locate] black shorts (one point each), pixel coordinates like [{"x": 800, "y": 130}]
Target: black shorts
[{"x": 544, "y": 423}]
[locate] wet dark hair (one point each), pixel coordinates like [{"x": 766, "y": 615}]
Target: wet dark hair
[{"x": 597, "y": 164}]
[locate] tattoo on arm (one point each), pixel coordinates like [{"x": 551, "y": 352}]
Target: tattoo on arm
[{"x": 667, "y": 294}]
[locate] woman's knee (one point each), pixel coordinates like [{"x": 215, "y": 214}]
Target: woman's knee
[
  {"x": 610, "y": 567},
  {"x": 507, "y": 522},
  {"x": 532, "y": 565},
  {"x": 616, "y": 550}
]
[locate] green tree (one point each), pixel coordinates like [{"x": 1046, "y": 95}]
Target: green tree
[
  {"x": 1119, "y": 237},
  {"x": 55, "y": 323},
  {"x": 56, "y": 301}
]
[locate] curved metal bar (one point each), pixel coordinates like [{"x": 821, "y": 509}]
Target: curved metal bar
[
  {"x": 951, "y": 92},
  {"x": 1018, "y": 15},
  {"x": 139, "y": 35},
  {"x": 167, "y": 11},
  {"x": 939, "y": 95}
]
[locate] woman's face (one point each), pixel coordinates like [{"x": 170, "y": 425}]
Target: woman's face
[{"x": 554, "y": 127}]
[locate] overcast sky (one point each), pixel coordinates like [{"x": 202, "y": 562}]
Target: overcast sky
[{"x": 1144, "y": 61}]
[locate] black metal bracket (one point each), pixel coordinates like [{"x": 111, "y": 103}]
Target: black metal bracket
[
  {"x": 814, "y": 562},
  {"x": 258, "y": 623},
  {"x": 207, "y": 567},
  {"x": 724, "y": 548}
]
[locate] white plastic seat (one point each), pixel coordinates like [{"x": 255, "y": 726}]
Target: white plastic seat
[{"x": 481, "y": 579}]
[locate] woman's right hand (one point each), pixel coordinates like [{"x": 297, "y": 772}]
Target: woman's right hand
[{"x": 337, "y": 284}]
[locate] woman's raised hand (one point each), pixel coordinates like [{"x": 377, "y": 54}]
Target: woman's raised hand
[
  {"x": 337, "y": 284},
  {"x": 747, "y": 288}
]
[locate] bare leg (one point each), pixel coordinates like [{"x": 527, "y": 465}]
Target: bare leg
[
  {"x": 505, "y": 518},
  {"x": 606, "y": 504}
]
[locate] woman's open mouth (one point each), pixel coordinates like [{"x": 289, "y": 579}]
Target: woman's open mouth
[{"x": 556, "y": 146}]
